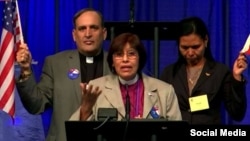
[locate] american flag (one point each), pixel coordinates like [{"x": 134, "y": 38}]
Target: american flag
[{"x": 10, "y": 38}]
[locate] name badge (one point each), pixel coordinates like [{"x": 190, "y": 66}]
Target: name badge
[{"x": 198, "y": 103}]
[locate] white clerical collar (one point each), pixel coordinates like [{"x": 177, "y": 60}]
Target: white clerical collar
[
  {"x": 130, "y": 82},
  {"x": 89, "y": 60}
]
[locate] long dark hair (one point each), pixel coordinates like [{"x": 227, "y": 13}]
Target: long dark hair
[{"x": 193, "y": 25}]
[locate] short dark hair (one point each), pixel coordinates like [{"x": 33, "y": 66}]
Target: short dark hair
[
  {"x": 80, "y": 12},
  {"x": 118, "y": 44}
]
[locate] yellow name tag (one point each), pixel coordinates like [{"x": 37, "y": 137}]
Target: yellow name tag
[{"x": 198, "y": 103}]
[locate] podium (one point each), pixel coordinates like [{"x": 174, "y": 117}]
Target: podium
[
  {"x": 154, "y": 31},
  {"x": 133, "y": 130}
]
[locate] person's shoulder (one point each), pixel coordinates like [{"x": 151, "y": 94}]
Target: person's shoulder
[
  {"x": 103, "y": 79},
  {"x": 167, "y": 70},
  {"x": 63, "y": 53},
  {"x": 155, "y": 81},
  {"x": 220, "y": 66},
  {"x": 169, "y": 67},
  {"x": 105, "y": 51},
  {"x": 66, "y": 52},
  {"x": 100, "y": 79}
]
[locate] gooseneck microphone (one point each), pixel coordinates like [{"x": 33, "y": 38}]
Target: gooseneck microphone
[
  {"x": 127, "y": 105},
  {"x": 127, "y": 114}
]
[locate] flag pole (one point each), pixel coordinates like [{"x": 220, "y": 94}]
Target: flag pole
[{"x": 19, "y": 22}]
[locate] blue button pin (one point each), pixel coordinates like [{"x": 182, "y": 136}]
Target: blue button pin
[
  {"x": 155, "y": 112},
  {"x": 73, "y": 73}
]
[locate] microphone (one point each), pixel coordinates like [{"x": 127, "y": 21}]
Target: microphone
[
  {"x": 107, "y": 113},
  {"x": 127, "y": 115},
  {"x": 127, "y": 104}
]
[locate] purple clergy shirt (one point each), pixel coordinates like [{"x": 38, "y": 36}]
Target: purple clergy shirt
[{"x": 136, "y": 91}]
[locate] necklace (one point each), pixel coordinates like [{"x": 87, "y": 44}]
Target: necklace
[
  {"x": 193, "y": 75},
  {"x": 191, "y": 81}
]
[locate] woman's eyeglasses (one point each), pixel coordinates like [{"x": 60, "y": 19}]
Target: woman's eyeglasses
[{"x": 129, "y": 55}]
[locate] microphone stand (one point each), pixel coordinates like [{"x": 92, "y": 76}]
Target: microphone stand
[
  {"x": 127, "y": 116},
  {"x": 132, "y": 15}
]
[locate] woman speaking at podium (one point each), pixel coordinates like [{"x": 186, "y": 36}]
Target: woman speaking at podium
[{"x": 127, "y": 89}]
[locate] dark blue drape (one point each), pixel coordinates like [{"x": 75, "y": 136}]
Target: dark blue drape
[
  {"x": 238, "y": 31},
  {"x": 47, "y": 27}
]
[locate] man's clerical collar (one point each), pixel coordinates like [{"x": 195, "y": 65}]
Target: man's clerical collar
[
  {"x": 130, "y": 82},
  {"x": 91, "y": 59}
]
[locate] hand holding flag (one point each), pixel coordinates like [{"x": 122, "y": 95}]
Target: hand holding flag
[
  {"x": 241, "y": 62},
  {"x": 246, "y": 47}
]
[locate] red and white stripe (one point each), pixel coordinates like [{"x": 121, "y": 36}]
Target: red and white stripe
[
  {"x": 10, "y": 40},
  {"x": 7, "y": 83}
]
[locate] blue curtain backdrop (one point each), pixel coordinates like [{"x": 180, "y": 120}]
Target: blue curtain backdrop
[{"x": 47, "y": 27}]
